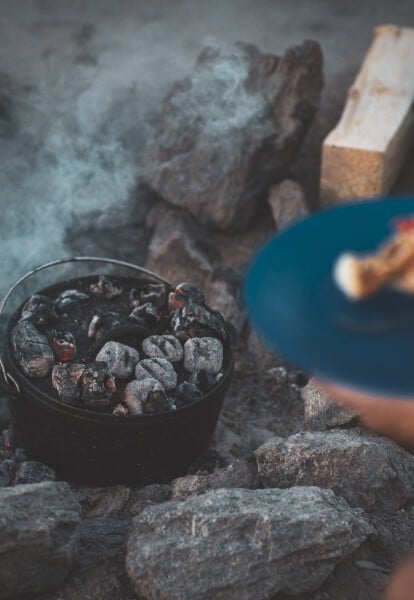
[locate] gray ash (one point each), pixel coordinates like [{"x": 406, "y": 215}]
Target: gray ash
[{"x": 97, "y": 386}]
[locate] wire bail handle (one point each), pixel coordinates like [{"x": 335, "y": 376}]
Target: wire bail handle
[{"x": 10, "y": 382}]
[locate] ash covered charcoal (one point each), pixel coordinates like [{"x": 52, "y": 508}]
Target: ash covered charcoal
[
  {"x": 63, "y": 345},
  {"x": 32, "y": 471},
  {"x": 105, "y": 288},
  {"x": 203, "y": 354},
  {"x": 160, "y": 369},
  {"x": 163, "y": 346},
  {"x": 183, "y": 294},
  {"x": 185, "y": 393},
  {"x": 146, "y": 397},
  {"x": 120, "y": 359},
  {"x": 97, "y": 386},
  {"x": 205, "y": 380},
  {"x": 39, "y": 310},
  {"x": 7, "y": 472},
  {"x": 155, "y": 293},
  {"x": 195, "y": 320},
  {"x": 69, "y": 299},
  {"x": 146, "y": 315},
  {"x": 66, "y": 381},
  {"x": 120, "y": 410},
  {"x": 101, "y": 324},
  {"x": 32, "y": 350}
]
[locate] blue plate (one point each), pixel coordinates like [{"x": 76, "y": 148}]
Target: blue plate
[{"x": 297, "y": 308}]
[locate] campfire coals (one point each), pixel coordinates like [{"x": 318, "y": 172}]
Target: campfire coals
[
  {"x": 105, "y": 288},
  {"x": 32, "y": 350},
  {"x": 69, "y": 299},
  {"x": 120, "y": 359},
  {"x": 180, "y": 362}
]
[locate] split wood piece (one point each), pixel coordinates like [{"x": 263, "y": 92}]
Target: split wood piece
[{"x": 363, "y": 155}]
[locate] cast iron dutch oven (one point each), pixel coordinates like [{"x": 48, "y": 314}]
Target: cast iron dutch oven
[{"x": 87, "y": 446}]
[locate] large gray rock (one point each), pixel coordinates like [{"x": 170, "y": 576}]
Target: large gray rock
[
  {"x": 38, "y": 537},
  {"x": 174, "y": 253},
  {"x": 321, "y": 412},
  {"x": 242, "y": 544},
  {"x": 230, "y": 130},
  {"x": 368, "y": 471}
]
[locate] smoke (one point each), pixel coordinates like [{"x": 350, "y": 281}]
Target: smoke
[{"x": 79, "y": 82}]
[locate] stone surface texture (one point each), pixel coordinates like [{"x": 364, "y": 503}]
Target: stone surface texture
[
  {"x": 38, "y": 537},
  {"x": 242, "y": 544},
  {"x": 287, "y": 202},
  {"x": 321, "y": 412},
  {"x": 174, "y": 253},
  {"x": 231, "y": 129},
  {"x": 239, "y": 474},
  {"x": 368, "y": 471}
]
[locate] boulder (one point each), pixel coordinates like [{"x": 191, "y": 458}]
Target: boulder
[
  {"x": 368, "y": 471},
  {"x": 38, "y": 537},
  {"x": 230, "y": 130},
  {"x": 242, "y": 544}
]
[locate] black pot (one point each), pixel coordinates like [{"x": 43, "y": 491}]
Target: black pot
[{"x": 102, "y": 449}]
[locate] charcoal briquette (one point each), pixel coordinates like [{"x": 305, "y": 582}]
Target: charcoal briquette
[
  {"x": 32, "y": 350},
  {"x": 205, "y": 380},
  {"x": 69, "y": 299},
  {"x": 195, "y": 320},
  {"x": 163, "y": 346},
  {"x": 146, "y": 397},
  {"x": 183, "y": 294},
  {"x": 203, "y": 354},
  {"x": 101, "y": 324},
  {"x": 120, "y": 410},
  {"x": 63, "y": 345},
  {"x": 120, "y": 359},
  {"x": 97, "y": 386},
  {"x": 105, "y": 288},
  {"x": 146, "y": 315},
  {"x": 39, "y": 310},
  {"x": 155, "y": 293},
  {"x": 66, "y": 381},
  {"x": 186, "y": 392},
  {"x": 160, "y": 369}
]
